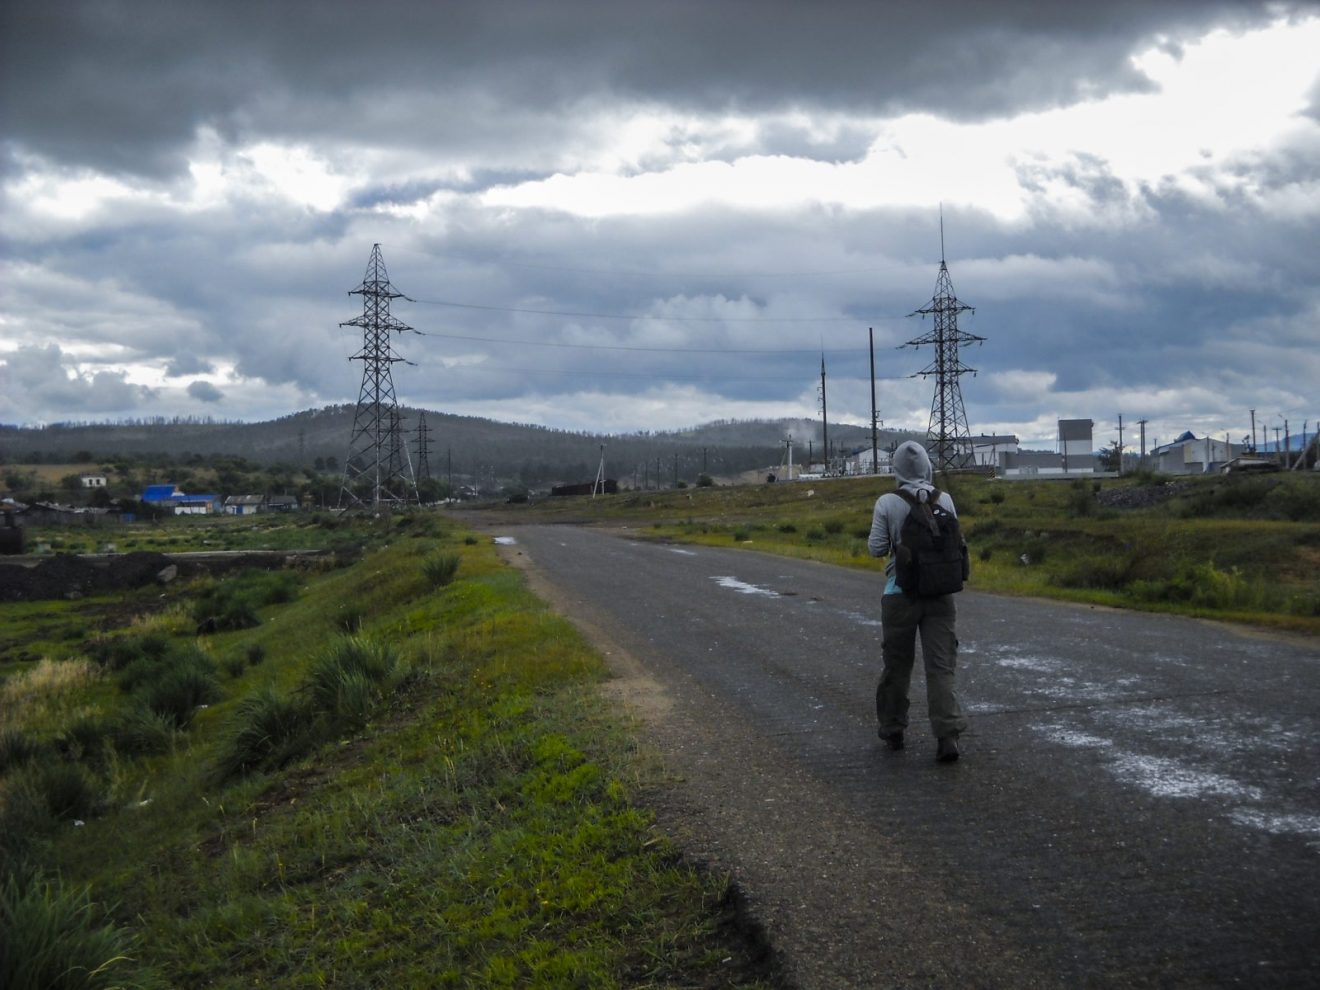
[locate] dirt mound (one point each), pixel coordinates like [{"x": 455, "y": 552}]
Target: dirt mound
[{"x": 69, "y": 576}]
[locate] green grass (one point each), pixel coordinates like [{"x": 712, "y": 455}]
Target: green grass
[
  {"x": 441, "y": 799},
  {"x": 1241, "y": 549}
]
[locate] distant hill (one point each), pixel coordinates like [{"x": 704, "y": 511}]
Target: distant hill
[{"x": 474, "y": 449}]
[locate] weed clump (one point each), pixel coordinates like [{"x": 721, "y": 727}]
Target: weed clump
[
  {"x": 233, "y": 604},
  {"x": 173, "y": 686},
  {"x": 50, "y": 939},
  {"x": 440, "y": 569},
  {"x": 266, "y": 732},
  {"x": 345, "y": 686},
  {"x": 348, "y": 680}
]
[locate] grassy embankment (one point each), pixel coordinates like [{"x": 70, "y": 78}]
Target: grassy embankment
[
  {"x": 1242, "y": 549},
  {"x": 403, "y": 775}
]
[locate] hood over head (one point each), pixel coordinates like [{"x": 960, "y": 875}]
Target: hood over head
[{"x": 912, "y": 469}]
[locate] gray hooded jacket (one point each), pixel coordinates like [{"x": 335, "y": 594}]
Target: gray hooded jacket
[{"x": 912, "y": 471}]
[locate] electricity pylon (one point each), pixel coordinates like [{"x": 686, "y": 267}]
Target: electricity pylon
[
  {"x": 947, "y": 435},
  {"x": 374, "y": 473},
  {"x": 423, "y": 439}
]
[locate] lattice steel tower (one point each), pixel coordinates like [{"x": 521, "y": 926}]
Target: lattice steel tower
[
  {"x": 947, "y": 436},
  {"x": 423, "y": 438},
  {"x": 374, "y": 473}
]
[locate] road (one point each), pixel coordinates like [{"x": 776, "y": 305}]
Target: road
[{"x": 1137, "y": 803}]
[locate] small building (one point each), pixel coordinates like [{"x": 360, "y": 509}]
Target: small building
[
  {"x": 93, "y": 480},
  {"x": 987, "y": 448},
  {"x": 1074, "y": 457},
  {"x": 1190, "y": 454},
  {"x": 282, "y": 503},
  {"x": 48, "y": 513},
  {"x": 244, "y": 505},
  {"x": 164, "y": 496},
  {"x": 1076, "y": 445},
  {"x": 197, "y": 505},
  {"x": 861, "y": 462}
]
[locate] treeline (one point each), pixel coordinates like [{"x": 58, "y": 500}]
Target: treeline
[{"x": 470, "y": 450}]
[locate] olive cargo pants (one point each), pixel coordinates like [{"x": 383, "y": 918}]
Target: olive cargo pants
[{"x": 935, "y": 619}]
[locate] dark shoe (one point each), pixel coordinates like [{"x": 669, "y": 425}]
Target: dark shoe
[
  {"x": 948, "y": 749},
  {"x": 894, "y": 740}
]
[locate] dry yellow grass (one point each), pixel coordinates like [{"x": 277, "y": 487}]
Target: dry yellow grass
[{"x": 49, "y": 691}]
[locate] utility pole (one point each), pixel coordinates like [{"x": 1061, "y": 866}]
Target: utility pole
[
  {"x": 599, "y": 485},
  {"x": 875, "y": 441},
  {"x": 947, "y": 433},
  {"x": 1142, "y": 424},
  {"x": 371, "y": 442},
  {"x": 1253, "y": 431},
  {"x": 824, "y": 417},
  {"x": 1120, "y": 444}
]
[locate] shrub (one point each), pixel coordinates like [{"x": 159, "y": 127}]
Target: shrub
[
  {"x": 1081, "y": 498},
  {"x": 350, "y": 618},
  {"x": 787, "y": 527},
  {"x": 49, "y": 790},
  {"x": 440, "y": 568},
  {"x": 51, "y": 940},
  {"x": 184, "y": 686},
  {"x": 834, "y": 526},
  {"x": 140, "y": 731},
  {"x": 741, "y": 535},
  {"x": 16, "y": 749},
  {"x": 266, "y": 731},
  {"x": 233, "y": 604},
  {"x": 84, "y": 738},
  {"x": 348, "y": 681},
  {"x": 1201, "y": 584},
  {"x": 119, "y": 652}
]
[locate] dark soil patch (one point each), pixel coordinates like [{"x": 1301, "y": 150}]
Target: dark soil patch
[{"x": 69, "y": 576}]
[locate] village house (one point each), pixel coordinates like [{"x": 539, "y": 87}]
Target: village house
[{"x": 244, "y": 505}]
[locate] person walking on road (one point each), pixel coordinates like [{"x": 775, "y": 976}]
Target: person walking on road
[{"x": 904, "y": 615}]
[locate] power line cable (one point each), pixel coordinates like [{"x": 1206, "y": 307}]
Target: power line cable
[
  {"x": 632, "y": 347},
  {"x": 490, "y": 370},
  {"x": 636, "y": 316}
]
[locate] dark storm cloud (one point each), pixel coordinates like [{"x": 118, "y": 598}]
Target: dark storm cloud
[
  {"x": 204, "y": 391},
  {"x": 125, "y": 85},
  {"x": 182, "y": 365}
]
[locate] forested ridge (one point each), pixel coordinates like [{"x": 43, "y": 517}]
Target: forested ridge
[{"x": 470, "y": 447}]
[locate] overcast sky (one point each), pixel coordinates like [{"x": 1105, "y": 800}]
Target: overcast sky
[{"x": 620, "y": 215}]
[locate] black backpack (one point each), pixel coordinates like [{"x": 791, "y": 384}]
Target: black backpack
[{"x": 931, "y": 557}]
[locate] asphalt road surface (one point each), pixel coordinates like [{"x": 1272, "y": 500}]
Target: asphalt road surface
[{"x": 1137, "y": 803}]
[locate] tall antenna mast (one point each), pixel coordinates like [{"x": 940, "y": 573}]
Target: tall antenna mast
[
  {"x": 374, "y": 471},
  {"x": 947, "y": 435}
]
